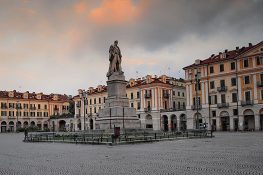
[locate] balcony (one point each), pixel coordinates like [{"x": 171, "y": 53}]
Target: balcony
[
  {"x": 196, "y": 107},
  {"x": 247, "y": 103},
  {"x": 148, "y": 95},
  {"x": 33, "y": 108},
  {"x": 19, "y": 107},
  {"x": 165, "y": 95},
  {"x": 168, "y": 110},
  {"x": 260, "y": 84},
  {"x": 147, "y": 109},
  {"x": 222, "y": 105},
  {"x": 3, "y": 107},
  {"x": 222, "y": 89}
]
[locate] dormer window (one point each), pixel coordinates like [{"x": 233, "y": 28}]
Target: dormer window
[
  {"x": 55, "y": 97},
  {"x": 11, "y": 94}
]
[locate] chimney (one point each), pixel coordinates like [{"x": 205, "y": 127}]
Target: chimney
[
  {"x": 250, "y": 44},
  {"x": 226, "y": 51},
  {"x": 237, "y": 48}
]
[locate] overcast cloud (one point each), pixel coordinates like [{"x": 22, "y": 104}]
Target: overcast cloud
[{"x": 60, "y": 46}]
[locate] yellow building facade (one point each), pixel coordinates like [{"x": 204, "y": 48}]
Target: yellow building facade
[
  {"x": 225, "y": 91},
  {"x": 20, "y": 110}
]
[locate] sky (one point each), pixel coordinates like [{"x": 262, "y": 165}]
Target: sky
[{"x": 60, "y": 46}]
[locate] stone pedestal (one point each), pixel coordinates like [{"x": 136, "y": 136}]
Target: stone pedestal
[{"x": 117, "y": 112}]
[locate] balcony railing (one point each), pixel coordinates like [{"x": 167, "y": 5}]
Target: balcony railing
[
  {"x": 195, "y": 107},
  {"x": 260, "y": 84},
  {"x": 165, "y": 95},
  {"x": 147, "y": 109},
  {"x": 222, "y": 105},
  {"x": 222, "y": 89},
  {"x": 148, "y": 95},
  {"x": 247, "y": 103}
]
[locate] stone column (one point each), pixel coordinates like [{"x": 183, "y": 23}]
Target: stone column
[
  {"x": 169, "y": 123},
  {"x": 218, "y": 124},
  {"x": 257, "y": 122},
  {"x": 178, "y": 123},
  {"x": 231, "y": 120},
  {"x": 255, "y": 88},
  {"x": 241, "y": 123}
]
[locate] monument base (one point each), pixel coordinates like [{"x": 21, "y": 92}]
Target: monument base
[{"x": 117, "y": 112}]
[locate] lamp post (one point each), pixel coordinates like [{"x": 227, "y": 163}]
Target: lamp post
[
  {"x": 84, "y": 98},
  {"x": 197, "y": 81}
]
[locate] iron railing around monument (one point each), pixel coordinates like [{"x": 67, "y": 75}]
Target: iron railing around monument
[{"x": 127, "y": 136}]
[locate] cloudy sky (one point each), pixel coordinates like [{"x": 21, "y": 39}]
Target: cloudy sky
[{"x": 60, "y": 46}]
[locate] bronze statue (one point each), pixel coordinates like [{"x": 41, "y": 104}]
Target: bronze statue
[{"x": 115, "y": 59}]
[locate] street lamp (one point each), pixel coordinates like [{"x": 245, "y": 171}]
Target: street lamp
[
  {"x": 197, "y": 81},
  {"x": 84, "y": 98}
]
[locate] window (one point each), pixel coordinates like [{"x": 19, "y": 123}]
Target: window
[
  {"x": 99, "y": 100},
  {"x": 173, "y": 93},
  {"x": 38, "y": 106},
  {"x": 179, "y": 94},
  {"x": 45, "y": 106},
  {"x": 95, "y": 101},
  {"x": 138, "y": 105},
  {"x": 212, "y": 99},
  {"x": 90, "y": 102},
  {"x": 247, "y": 96},
  {"x": 222, "y": 83},
  {"x": 183, "y": 94},
  {"x": 222, "y": 68},
  {"x": 233, "y": 81},
  {"x": 3, "y": 113},
  {"x": 223, "y": 98},
  {"x": 262, "y": 94},
  {"x": 90, "y": 110},
  {"x": 198, "y": 101},
  {"x": 199, "y": 86},
  {"x": 261, "y": 77},
  {"x": 245, "y": 63},
  {"x": 131, "y": 95},
  {"x": 95, "y": 110},
  {"x": 213, "y": 113},
  {"x": 234, "y": 97},
  {"x": 138, "y": 94},
  {"x": 104, "y": 99},
  {"x": 179, "y": 104},
  {"x": 259, "y": 60},
  {"x": 235, "y": 112},
  {"x": 211, "y": 69},
  {"x": 233, "y": 66},
  {"x": 132, "y": 105},
  {"x": 247, "y": 80},
  {"x": 212, "y": 85}
]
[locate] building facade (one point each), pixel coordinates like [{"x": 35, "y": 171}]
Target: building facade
[
  {"x": 225, "y": 91},
  {"x": 150, "y": 96},
  {"x": 20, "y": 110}
]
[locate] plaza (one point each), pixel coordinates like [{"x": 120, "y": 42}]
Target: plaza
[{"x": 226, "y": 153}]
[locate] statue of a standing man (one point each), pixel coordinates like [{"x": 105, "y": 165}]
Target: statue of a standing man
[{"x": 115, "y": 59}]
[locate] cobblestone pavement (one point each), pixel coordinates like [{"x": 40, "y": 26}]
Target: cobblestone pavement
[{"x": 227, "y": 153}]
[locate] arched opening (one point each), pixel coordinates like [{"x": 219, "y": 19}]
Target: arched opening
[
  {"x": 11, "y": 126},
  {"x": 39, "y": 125},
  {"x": 32, "y": 124},
  {"x": 198, "y": 121},
  {"x": 148, "y": 121},
  {"x": 25, "y": 124},
  {"x": 183, "y": 122},
  {"x": 45, "y": 126},
  {"x": 91, "y": 124},
  {"x": 3, "y": 126},
  {"x": 249, "y": 120},
  {"x": 225, "y": 121},
  {"x": 261, "y": 120},
  {"x": 165, "y": 123},
  {"x": 79, "y": 125},
  {"x": 173, "y": 123},
  {"x": 62, "y": 125},
  {"x": 19, "y": 125}
]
